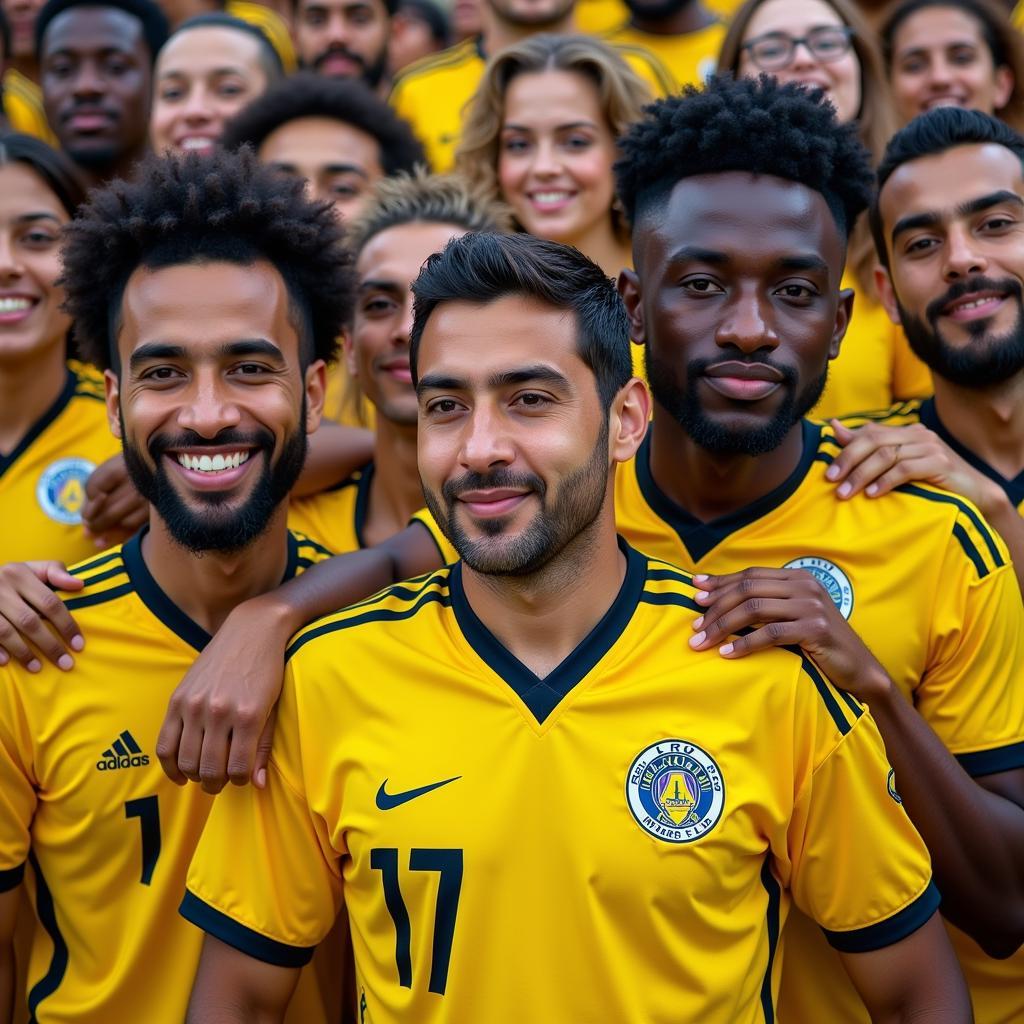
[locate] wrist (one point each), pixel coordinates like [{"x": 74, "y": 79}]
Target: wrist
[
  {"x": 272, "y": 611},
  {"x": 992, "y": 501},
  {"x": 874, "y": 687}
]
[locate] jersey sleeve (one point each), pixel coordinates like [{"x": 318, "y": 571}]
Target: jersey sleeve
[
  {"x": 444, "y": 547},
  {"x": 972, "y": 690},
  {"x": 857, "y": 865},
  {"x": 17, "y": 785},
  {"x": 265, "y": 878}
]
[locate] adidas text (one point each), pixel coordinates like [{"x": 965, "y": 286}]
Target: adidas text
[{"x": 110, "y": 764}]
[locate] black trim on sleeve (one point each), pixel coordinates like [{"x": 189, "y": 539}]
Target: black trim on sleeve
[
  {"x": 10, "y": 878},
  {"x": 891, "y": 930},
  {"x": 228, "y": 930},
  {"x": 988, "y": 762}
]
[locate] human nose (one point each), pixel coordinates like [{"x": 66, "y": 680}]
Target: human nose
[
  {"x": 209, "y": 407},
  {"x": 962, "y": 256},
  {"x": 403, "y": 329},
  {"x": 196, "y": 109},
  {"x": 88, "y": 80},
  {"x": 10, "y": 263},
  {"x": 803, "y": 57},
  {"x": 545, "y": 159},
  {"x": 746, "y": 324},
  {"x": 486, "y": 443}
]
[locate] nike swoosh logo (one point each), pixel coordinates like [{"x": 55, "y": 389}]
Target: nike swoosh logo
[{"x": 389, "y": 801}]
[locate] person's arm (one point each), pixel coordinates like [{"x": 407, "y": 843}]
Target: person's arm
[
  {"x": 974, "y": 830},
  {"x": 914, "y": 981},
  {"x": 219, "y": 722},
  {"x": 8, "y": 919},
  {"x": 335, "y": 453},
  {"x": 234, "y": 988},
  {"x": 876, "y": 458},
  {"x": 113, "y": 510},
  {"x": 33, "y": 620}
]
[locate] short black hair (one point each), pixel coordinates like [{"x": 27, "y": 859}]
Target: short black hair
[
  {"x": 195, "y": 209},
  {"x": 270, "y": 59},
  {"x": 930, "y": 134},
  {"x": 752, "y": 125},
  {"x": 5, "y": 40},
  {"x": 50, "y": 164},
  {"x": 155, "y": 28},
  {"x": 485, "y": 267},
  {"x": 348, "y": 100},
  {"x": 432, "y": 14},
  {"x": 389, "y": 5}
]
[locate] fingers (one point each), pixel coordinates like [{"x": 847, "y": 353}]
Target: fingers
[
  {"x": 31, "y": 614},
  {"x": 876, "y": 464},
  {"x": 870, "y": 451},
  {"x": 263, "y": 747},
  {"x": 120, "y": 517},
  {"x": 776, "y": 613},
  {"x": 167, "y": 744}
]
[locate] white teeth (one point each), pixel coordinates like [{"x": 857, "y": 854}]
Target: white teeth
[
  {"x": 550, "y": 197},
  {"x": 975, "y": 303},
  {"x": 12, "y": 305},
  {"x": 196, "y": 143},
  {"x": 213, "y": 464}
]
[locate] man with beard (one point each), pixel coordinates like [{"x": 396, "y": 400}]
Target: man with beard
[
  {"x": 345, "y": 39},
  {"x": 683, "y": 34},
  {"x": 96, "y": 58},
  {"x": 219, "y": 294},
  {"x": 505, "y": 780},
  {"x": 908, "y": 602},
  {"x": 432, "y": 94},
  {"x": 953, "y": 265}
]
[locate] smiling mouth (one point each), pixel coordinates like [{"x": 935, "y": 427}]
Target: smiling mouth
[
  {"x": 976, "y": 306},
  {"x": 212, "y": 463},
  {"x": 13, "y": 306}
]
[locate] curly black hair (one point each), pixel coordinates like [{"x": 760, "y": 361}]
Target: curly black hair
[
  {"x": 351, "y": 101},
  {"x": 195, "y": 209},
  {"x": 155, "y": 28},
  {"x": 753, "y": 125}
]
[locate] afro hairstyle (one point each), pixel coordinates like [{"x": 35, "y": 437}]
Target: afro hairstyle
[
  {"x": 155, "y": 28},
  {"x": 752, "y": 125},
  {"x": 350, "y": 101},
  {"x": 223, "y": 207}
]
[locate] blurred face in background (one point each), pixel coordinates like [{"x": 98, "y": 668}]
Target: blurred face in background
[
  {"x": 343, "y": 38},
  {"x": 204, "y": 76},
  {"x": 556, "y": 151},
  {"x": 940, "y": 59},
  {"x": 21, "y": 16},
  {"x": 339, "y": 162},
  {"x": 804, "y": 41}
]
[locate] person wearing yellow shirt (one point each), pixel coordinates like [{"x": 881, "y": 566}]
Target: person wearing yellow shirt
[{"x": 432, "y": 94}]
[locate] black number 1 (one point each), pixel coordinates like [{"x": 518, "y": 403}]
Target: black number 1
[
  {"x": 448, "y": 864},
  {"x": 147, "y": 811}
]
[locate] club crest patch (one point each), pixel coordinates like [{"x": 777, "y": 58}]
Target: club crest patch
[
  {"x": 675, "y": 791},
  {"x": 61, "y": 490},
  {"x": 831, "y": 577}
]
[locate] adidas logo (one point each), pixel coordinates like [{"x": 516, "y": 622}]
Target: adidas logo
[{"x": 124, "y": 752}]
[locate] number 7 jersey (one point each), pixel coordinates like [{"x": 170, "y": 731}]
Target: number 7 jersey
[{"x": 616, "y": 842}]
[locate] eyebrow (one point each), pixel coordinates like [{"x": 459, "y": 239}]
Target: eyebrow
[
  {"x": 965, "y": 209},
  {"x": 165, "y": 350},
  {"x": 345, "y": 169},
  {"x": 538, "y": 373},
  {"x": 378, "y": 285},
  {"x": 696, "y": 254},
  {"x": 236, "y": 69},
  {"x": 25, "y": 218},
  {"x": 511, "y": 126}
]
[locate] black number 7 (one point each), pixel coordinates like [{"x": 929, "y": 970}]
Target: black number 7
[{"x": 448, "y": 863}]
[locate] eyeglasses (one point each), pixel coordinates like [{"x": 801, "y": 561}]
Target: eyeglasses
[{"x": 774, "y": 50}]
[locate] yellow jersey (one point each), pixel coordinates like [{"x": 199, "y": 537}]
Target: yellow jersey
[
  {"x": 637, "y": 850},
  {"x": 932, "y": 567},
  {"x": 102, "y": 837},
  {"x": 691, "y": 57},
  {"x": 596, "y": 17},
  {"x": 875, "y": 366},
  {"x": 42, "y": 481},
  {"x": 23, "y": 106},
  {"x": 432, "y": 93}
]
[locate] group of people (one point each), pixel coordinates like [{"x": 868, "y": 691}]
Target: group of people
[{"x": 511, "y": 512}]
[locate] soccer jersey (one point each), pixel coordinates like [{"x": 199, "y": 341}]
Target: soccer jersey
[
  {"x": 601, "y": 844},
  {"x": 42, "y": 481},
  {"x": 23, "y": 105},
  {"x": 691, "y": 57},
  {"x": 875, "y": 366},
  {"x": 432, "y": 93},
  {"x": 102, "y": 837},
  {"x": 930, "y": 589},
  {"x": 595, "y": 17}
]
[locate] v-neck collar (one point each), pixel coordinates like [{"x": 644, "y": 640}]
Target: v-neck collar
[
  {"x": 1014, "y": 489},
  {"x": 698, "y": 537},
  {"x": 156, "y": 600},
  {"x": 542, "y": 696},
  {"x": 362, "y": 508},
  {"x": 58, "y": 406}
]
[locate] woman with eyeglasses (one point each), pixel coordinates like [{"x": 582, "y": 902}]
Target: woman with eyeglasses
[
  {"x": 961, "y": 53},
  {"x": 827, "y": 44}
]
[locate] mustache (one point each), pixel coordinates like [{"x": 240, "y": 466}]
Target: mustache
[
  {"x": 160, "y": 444},
  {"x": 488, "y": 481},
  {"x": 959, "y": 289},
  {"x": 338, "y": 49},
  {"x": 698, "y": 367}
]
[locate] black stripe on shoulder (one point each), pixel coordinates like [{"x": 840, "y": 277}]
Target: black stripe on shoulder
[
  {"x": 675, "y": 575},
  {"x": 988, "y": 762},
  {"x": 91, "y": 395},
  {"x": 379, "y": 615},
  {"x": 679, "y": 600},
  {"x": 447, "y": 58},
  {"x": 84, "y": 567},
  {"x": 303, "y": 541},
  {"x": 117, "y": 570},
  {"x": 407, "y": 590},
  {"x": 970, "y": 550},
  {"x": 951, "y": 499},
  {"x": 825, "y": 692},
  {"x": 891, "y": 930},
  {"x": 10, "y": 878},
  {"x": 74, "y": 603}
]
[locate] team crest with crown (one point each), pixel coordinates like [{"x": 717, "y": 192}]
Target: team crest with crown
[
  {"x": 675, "y": 791},
  {"x": 831, "y": 577}
]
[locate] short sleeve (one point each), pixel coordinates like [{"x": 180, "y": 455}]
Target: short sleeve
[
  {"x": 972, "y": 691},
  {"x": 17, "y": 786},
  {"x": 858, "y": 867},
  {"x": 444, "y": 547},
  {"x": 264, "y": 877}
]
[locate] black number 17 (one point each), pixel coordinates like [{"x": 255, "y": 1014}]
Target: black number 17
[{"x": 448, "y": 863}]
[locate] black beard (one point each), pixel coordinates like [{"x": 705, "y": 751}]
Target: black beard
[
  {"x": 647, "y": 11},
  {"x": 683, "y": 405},
  {"x": 211, "y": 529},
  {"x": 988, "y": 359},
  {"x": 370, "y": 74},
  {"x": 577, "y": 505}
]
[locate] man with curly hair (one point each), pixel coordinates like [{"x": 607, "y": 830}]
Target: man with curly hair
[
  {"x": 211, "y": 293},
  {"x": 741, "y": 199}
]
